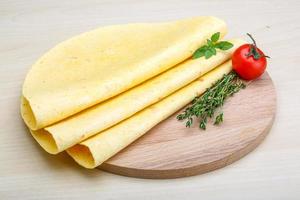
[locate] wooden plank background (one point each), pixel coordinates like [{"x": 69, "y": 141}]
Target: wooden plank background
[{"x": 29, "y": 28}]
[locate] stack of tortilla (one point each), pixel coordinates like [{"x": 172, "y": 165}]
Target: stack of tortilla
[{"x": 96, "y": 93}]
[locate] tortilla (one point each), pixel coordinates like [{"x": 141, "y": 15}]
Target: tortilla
[
  {"x": 68, "y": 132},
  {"x": 97, "y": 149},
  {"x": 95, "y": 66}
]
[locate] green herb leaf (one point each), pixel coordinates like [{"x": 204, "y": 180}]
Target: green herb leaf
[
  {"x": 209, "y": 49},
  {"x": 202, "y": 125},
  {"x": 204, "y": 107},
  {"x": 215, "y": 37},
  {"x": 219, "y": 119},
  {"x": 210, "y": 43},
  {"x": 199, "y": 52},
  {"x": 189, "y": 122},
  {"x": 208, "y": 54},
  {"x": 213, "y": 50},
  {"x": 224, "y": 45}
]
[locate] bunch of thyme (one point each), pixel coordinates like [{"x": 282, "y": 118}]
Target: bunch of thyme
[{"x": 205, "y": 106}]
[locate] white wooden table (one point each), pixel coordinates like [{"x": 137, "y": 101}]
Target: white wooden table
[{"x": 29, "y": 28}]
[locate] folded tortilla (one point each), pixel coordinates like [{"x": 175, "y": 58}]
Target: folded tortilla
[
  {"x": 97, "y": 149},
  {"x": 68, "y": 132},
  {"x": 94, "y": 66}
]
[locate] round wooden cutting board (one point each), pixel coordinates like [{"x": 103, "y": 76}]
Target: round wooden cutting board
[{"x": 170, "y": 150}]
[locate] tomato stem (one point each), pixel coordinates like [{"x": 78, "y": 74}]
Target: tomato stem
[
  {"x": 254, "y": 42},
  {"x": 253, "y": 50}
]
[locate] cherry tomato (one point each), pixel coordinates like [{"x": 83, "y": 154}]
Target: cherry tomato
[{"x": 248, "y": 61}]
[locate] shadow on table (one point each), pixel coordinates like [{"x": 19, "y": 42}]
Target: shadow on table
[{"x": 60, "y": 163}]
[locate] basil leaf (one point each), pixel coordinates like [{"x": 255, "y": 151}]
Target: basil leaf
[
  {"x": 209, "y": 43},
  {"x": 215, "y": 37},
  {"x": 212, "y": 44},
  {"x": 224, "y": 45},
  {"x": 200, "y": 52},
  {"x": 213, "y": 50},
  {"x": 208, "y": 54}
]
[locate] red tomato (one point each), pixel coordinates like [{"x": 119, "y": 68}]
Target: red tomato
[{"x": 248, "y": 61}]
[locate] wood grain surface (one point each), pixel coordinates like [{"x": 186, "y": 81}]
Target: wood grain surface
[
  {"x": 170, "y": 150},
  {"x": 29, "y": 28}
]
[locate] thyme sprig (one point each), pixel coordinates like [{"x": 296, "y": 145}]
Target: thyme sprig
[{"x": 206, "y": 105}]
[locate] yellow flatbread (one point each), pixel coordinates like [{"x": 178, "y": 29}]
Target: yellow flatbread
[
  {"x": 94, "y": 66},
  {"x": 97, "y": 149},
  {"x": 68, "y": 132}
]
